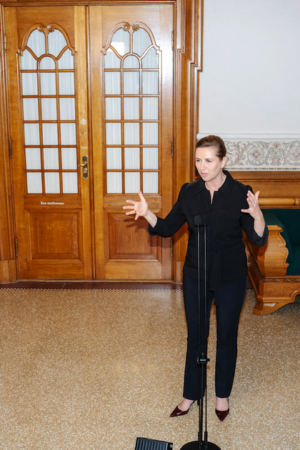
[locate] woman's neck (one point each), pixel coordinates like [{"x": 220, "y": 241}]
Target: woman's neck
[{"x": 216, "y": 183}]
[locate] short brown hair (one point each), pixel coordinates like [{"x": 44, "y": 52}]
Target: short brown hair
[{"x": 213, "y": 141}]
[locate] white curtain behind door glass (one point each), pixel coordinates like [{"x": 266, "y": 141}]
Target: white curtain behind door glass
[
  {"x": 150, "y": 133},
  {"x": 113, "y": 134},
  {"x": 131, "y": 62},
  {"x": 67, "y": 108},
  {"x": 36, "y": 42},
  {"x": 150, "y": 108},
  {"x": 32, "y": 133},
  {"x": 33, "y": 159},
  {"x": 29, "y": 84},
  {"x": 131, "y": 83},
  {"x": 141, "y": 41},
  {"x": 150, "y": 83},
  {"x": 150, "y": 60},
  {"x": 56, "y": 42},
  {"x": 48, "y": 83},
  {"x": 50, "y": 136},
  {"x": 47, "y": 64},
  {"x": 66, "y": 83},
  {"x": 111, "y": 61},
  {"x": 131, "y": 133},
  {"x": 150, "y": 183},
  {"x": 120, "y": 41},
  {"x": 34, "y": 183},
  {"x": 49, "y": 111},
  {"x": 113, "y": 108},
  {"x": 114, "y": 182},
  {"x": 112, "y": 83},
  {"x": 69, "y": 158},
  {"x": 66, "y": 61},
  {"x": 114, "y": 158},
  {"x": 28, "y": 62},
  {"x": 52, "y": 183},
  {"x": 150, "y": 158},
  {"x": 131, "y": 108},
  {"x": 70, "y": 183},
  {"x": 31, "y": 109},
  {"x": 132, "y": 158},
  {"x": 51, "y": 159},
  {"x": 68, "y": 133},
  {"x": 132, "y": 182}
]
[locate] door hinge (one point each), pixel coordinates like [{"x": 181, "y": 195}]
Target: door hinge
[
  {"x": 171, "y": 247},
  {"x": 172, "y": 41},
  {"x": 10, "y": 148},
  {"x": 4, "y": 43},
  {"x": 16, "y": 247},
  {"x": 172, "y": 148}
]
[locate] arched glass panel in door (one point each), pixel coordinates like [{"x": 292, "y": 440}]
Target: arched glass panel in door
[{"x": 132, "y": 103}]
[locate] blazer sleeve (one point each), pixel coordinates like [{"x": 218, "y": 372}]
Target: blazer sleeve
[
  {"x": 175, "y": 219},
  {"x": 248, "y": 226}
]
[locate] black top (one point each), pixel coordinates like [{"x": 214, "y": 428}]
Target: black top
[{"x": 226, "y": 257}]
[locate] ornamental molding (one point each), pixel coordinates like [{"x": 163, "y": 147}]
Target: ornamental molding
[{"x": 262, "y": 154}]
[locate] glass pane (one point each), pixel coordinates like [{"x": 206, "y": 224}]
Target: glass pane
[
  {"x": 150, "y": 158},
  {"x": 111, "y": 61},
  {"x": 33, "y": 159},
  {"x": 66, "y": 83},
  {"x": 51, "y": 159},
  {"x": 68, "y": 133},
  {"x": 36, "y": 42},
  {"x": 113, "y": 108},
  {"x": 47, "y": 64},
  {"x": 132, "y": 133},
  {"x": 132, "y": 182},
  {"x": 132, "y": 158},
  {"x": 150, "y": 83},
  {"x": 150, "y": 183},
  {"x": 27, "y": 61},
  {"x": 150, "y": 108},
  {"x": 114, "y": 158},
  {"x": 114, "y": 182},
  {"x": 50, "y": 134},
  {"x": 48, "y": 83},
  {"x": 34, "y": 183},
  {"x": 120, "y": 41},
  {"x": 32, "y": 133},
  {"x": 69, "y": 158},
  {"x": 150, "y": 133},
  {"x": 113, "y": 134},
  {"x": 56, "y": 42},
  {"x": 66, "y": 61},
  {"x": 131, "y": 108},
  {"x": 150, "y": 61},
  {"x": 52, "y": 183},
  {"x": 131, "y": 62},
  {"x": 131, "y": 83},
  {"x": 29, "y": 84},
  {"x": 49, "y": 111},
  {"x": 112, "y": 83},
  {"x": 67, "y": 108},
  {"x": 31, "y": 109},
  {"x": 70, "y": 183},
  {"x": 141, "y": 41}
]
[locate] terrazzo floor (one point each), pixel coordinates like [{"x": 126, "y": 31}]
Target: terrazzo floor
[{"x": 95, "y": 369}]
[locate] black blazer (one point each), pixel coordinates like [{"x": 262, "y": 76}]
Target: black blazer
[{"x": 226, "y": 257}]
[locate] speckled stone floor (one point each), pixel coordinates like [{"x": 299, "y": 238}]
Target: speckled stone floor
[{"x": 95, "y": 369}]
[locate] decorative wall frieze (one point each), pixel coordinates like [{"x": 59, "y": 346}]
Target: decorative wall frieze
[{"x": 262, "y": 154}]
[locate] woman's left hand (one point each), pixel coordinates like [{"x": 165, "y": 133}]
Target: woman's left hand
[{"x": 254, "y": 209}]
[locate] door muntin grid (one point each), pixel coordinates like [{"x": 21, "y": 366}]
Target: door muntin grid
[
  {"x": 131, "y": 105},
  {"x": 47, "y": 79}
]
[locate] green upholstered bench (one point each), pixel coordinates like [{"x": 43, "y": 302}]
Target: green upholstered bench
[{"x": 274, "y": 269}]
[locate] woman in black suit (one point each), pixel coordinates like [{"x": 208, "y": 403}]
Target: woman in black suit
[{"x": 229, "y": 207}]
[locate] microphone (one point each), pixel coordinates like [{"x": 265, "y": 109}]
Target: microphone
[
  {"x": 197, "y": 221},
  {"x": 203, "y": 220}
]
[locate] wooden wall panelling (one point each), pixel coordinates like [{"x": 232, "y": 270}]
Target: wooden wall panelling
[
  {"x": 7, "y": 252},
  {"x": 188, "y": 39}
]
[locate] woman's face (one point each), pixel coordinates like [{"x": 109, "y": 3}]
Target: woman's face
[{"x": 208, "y": 164}]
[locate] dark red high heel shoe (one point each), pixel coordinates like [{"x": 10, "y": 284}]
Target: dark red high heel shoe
[
  {"x": 178, "y": 413},
  {"x": 221, "y": 415}
]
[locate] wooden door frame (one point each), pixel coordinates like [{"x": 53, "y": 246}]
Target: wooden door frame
[{"x": 188, "y": 44}]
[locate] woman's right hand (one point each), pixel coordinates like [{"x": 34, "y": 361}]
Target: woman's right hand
[{"x": 140, "y": 209}]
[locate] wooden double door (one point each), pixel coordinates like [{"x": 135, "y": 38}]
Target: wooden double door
[{"x": 90, "y": 108}]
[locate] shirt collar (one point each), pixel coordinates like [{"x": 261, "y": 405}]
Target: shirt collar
[{"x": 224, "y": 189}]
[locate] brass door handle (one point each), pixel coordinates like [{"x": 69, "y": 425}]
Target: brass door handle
[{"x": 85, "y": 169}]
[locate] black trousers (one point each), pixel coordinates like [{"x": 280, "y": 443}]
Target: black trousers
[{"x": 228, "y": 314}]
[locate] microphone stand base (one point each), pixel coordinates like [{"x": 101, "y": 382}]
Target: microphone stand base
[{"x": 204, "y": 446}]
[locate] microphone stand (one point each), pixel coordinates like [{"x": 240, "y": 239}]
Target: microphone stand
[{"x": 203, "y": 360}]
